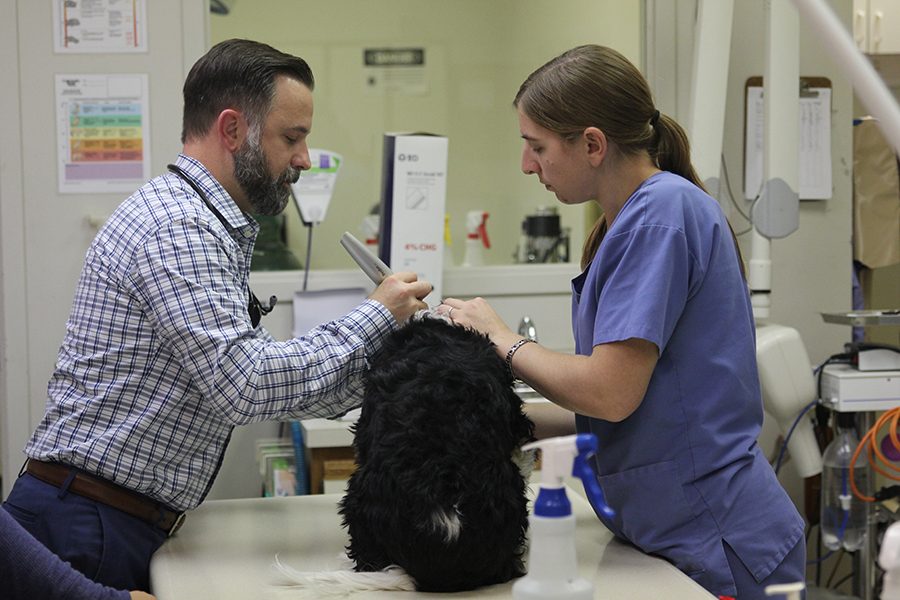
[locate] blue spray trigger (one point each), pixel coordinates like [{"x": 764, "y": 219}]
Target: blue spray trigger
[
  {"x": 560, "y": 457},
  {"x": 587, "y": 447}
]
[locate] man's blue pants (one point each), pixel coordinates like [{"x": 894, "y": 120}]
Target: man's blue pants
[{"x": 106, "y": 544}]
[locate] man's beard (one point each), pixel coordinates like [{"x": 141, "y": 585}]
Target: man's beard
[{"x": 267, "y": 195}]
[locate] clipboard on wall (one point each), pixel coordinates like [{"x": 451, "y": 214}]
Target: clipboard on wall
[{"x": 815, "y": 138}]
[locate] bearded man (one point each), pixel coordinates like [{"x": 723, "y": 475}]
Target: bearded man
[{"x": 163, "y": 353}]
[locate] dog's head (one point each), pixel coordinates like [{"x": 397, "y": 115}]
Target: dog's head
[
  {"x": 429, "y": 369},
  {"x": 436, "y": 490}
]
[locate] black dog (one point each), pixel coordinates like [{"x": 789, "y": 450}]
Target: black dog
[{"x": 436, "y": 491}]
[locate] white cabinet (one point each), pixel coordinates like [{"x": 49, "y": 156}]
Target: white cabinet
[{"x": 876, "y": 26}]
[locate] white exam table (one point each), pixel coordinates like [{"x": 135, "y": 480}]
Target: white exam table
[{"x": 226, "y": 549}]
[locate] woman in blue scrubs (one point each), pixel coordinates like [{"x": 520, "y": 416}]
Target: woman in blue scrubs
[{"x": 664, "y": 370}]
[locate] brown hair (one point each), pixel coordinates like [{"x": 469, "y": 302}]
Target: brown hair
[
  {"x": 596, "y": 86},
  {"x": 237, "y": 74}
]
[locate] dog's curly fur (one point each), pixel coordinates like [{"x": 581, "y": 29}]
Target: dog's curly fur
[{"x": 436, "y": 490}]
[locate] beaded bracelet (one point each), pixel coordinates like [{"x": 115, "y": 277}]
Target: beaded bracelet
[{"x": 512, "y": 350}]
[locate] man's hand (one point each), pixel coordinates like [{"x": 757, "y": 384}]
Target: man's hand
[{"x": 402, "y": 293}]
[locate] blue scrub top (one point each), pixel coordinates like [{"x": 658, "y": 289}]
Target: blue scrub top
[{"x": 684, "y": 472}]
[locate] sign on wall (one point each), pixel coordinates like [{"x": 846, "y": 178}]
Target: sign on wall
[
  {"x": 103, "y": 132},
  {"x": 102, "y": 26},
  {"x": 395, "y": 70}
]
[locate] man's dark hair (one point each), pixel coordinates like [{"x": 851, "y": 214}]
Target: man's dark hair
[{"x": 238, "y": 74}]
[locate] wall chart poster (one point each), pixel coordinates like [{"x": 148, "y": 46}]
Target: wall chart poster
[
  {"x": 105, "y": 26},
  {"x": 102, "y": 132}
]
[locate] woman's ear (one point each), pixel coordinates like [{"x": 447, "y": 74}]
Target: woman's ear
[
  {"x": 597, "y": 145},
  {"x": 232, "y": 128}
]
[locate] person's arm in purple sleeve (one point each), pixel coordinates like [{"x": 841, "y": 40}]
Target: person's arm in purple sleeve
[{"x": 29, "y": 570}]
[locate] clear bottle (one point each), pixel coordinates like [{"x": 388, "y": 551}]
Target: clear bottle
[{"x": 844, "y": 517}]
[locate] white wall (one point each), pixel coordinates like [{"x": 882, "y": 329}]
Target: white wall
[{"x": 45, "y": 234}]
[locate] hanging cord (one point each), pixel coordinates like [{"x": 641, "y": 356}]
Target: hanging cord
[
  {"x": 834, "y": 569},
  {"x": 869, "y": 442},
  {"x": 819, "y": 557},
  {"x": 817, "y": 371},
  {"x": 790, "y": 432},
  {"x": 748, "y": 215},
  {"x": 842, "y": 580},
  {"x": 734, "y": 203}
]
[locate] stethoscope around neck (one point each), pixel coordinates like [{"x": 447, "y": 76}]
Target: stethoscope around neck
[{"x": 256, "y": 309}]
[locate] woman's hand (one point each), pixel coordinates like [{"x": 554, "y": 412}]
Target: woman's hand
[{"x": 477, "y": 314}]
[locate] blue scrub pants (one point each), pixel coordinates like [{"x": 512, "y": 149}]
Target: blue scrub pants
[
  {"x": 791, "y": 569},
  {"x": 106, "y": 544}
]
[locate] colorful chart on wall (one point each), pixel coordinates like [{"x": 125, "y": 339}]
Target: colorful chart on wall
[{"x": 103, "y": 132}]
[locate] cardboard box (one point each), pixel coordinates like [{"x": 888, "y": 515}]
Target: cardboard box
[{"x": 413, "y": 200}]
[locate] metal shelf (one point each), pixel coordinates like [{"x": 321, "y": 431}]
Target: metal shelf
[{"x": 864, "y": 318}]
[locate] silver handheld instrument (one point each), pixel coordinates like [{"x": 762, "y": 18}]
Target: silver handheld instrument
[{"x": 370, "y": 264}]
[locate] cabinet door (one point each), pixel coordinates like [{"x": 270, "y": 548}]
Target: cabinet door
[
  {"x": 861, "y": 24},
  {"x": 884, "y": 27}
]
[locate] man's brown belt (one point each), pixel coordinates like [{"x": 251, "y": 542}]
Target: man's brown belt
[{"x": 108, "y": 493}]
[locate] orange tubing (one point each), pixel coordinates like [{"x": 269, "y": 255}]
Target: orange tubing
[{"x": 869, "y": 441}]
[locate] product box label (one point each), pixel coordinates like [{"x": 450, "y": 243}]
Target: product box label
[{"x": 413, "y": 200}]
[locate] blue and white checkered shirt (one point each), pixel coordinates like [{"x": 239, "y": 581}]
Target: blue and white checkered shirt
[{"x": 160, "y": 359}]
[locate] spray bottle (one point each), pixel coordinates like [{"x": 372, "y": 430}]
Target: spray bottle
[
  {"x": 552, "y": 564},
  {"x": 476, "y": 237}
]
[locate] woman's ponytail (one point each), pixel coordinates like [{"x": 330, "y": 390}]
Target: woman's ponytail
[{"x": 672, "y": 150}]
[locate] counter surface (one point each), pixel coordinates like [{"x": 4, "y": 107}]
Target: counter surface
[{"x": 226, "y": 550}]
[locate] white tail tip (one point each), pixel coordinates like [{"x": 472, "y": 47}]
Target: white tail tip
[{"x": 291, "y": 584}]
